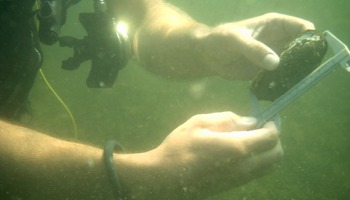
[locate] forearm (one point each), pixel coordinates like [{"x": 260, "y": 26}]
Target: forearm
[{"x": 34, "y": 165}]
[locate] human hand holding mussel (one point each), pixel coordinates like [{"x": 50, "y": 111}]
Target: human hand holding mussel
[
  {"x": 236, "y": 50},
  {"x": 252, "y": 44}
]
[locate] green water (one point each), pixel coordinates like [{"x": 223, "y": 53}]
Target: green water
[{"x": 141, "y": 109}]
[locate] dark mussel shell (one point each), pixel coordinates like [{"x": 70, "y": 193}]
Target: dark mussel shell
[{"x": 297, "y": 60}]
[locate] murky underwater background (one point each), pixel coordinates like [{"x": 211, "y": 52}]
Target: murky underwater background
[{"x": 141, "y": 109}]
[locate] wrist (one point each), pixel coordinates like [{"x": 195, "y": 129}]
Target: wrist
[
  {"x": 134, "y": 172},
  {"x": 149, "y": 175}
]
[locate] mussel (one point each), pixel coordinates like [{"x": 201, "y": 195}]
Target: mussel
[{"x": 298, "y": 59}]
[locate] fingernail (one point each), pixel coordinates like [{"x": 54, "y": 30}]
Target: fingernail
[
  {"x": 248, "y": 121},
  {"x": 271, "y": 61}
]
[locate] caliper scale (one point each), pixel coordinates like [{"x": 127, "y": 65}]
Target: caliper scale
[{"x": 341, "y": 57}]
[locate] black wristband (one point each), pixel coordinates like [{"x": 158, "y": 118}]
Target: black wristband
[{"x": 109, "y": 148}]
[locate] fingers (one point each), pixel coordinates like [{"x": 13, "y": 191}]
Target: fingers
[
  {"x": 223, "y": 122},
  {"x": 278, "y": 24},
  {"x": 242, "y": 143},
  {"x": 268, "y": 32},
  {"x": 256, "y": 141},
  {"x": 258, "y": 52},
  {"x": 292, "y": 25},
  {"x": 259, "y": 164},
  {"x": 240, "y": 48}
]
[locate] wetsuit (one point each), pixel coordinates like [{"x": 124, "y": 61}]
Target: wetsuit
[{"x": 20, "y": 56}]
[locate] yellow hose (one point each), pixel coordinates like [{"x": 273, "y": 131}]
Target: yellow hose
[
  {"x": 62, "y": 103},
  {"x": 36, "y": 6}
]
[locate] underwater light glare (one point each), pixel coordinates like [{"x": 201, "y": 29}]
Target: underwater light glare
[{"x": 122, "y": 28}]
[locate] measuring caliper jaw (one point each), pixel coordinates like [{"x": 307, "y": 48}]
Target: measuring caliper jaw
[
  {"x": 339, "y": 49},
  {"x": 341, "y": 57}
]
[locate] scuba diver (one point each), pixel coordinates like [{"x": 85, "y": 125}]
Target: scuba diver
[
  {"x": 206, "y": 155},
  {"x": 20, "y": 57}
]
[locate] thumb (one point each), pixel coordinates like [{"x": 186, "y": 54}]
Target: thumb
[
  {"x": 223, "y": 122},
  {"x": 259, "y": 53},
  {"x": 246, "y": 123}
]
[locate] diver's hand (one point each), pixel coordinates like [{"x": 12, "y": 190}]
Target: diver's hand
[
  {"x": 206, "y": 155},
  {"x": 215, "y": 152},
  {"x": 237, "y": 50}
]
